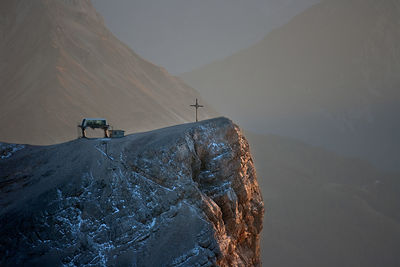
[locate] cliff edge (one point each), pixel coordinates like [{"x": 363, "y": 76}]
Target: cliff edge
[{"x": 186, "y": 195}]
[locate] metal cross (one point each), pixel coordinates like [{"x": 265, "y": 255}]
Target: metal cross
[{"x": 197, "y": 106}]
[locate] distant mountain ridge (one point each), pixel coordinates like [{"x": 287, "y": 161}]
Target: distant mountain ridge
[
  {"x": 329, "y": 77},
  {"x": 59, "y": 63}
]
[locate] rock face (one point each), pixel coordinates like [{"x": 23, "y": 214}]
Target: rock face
[{"x": 180, "y": 196}]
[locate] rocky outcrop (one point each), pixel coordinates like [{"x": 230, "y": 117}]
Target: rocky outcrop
[{"x": 180, "y": 196}]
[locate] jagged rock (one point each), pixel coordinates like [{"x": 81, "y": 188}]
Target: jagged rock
[{"x": 180, "y": 196}]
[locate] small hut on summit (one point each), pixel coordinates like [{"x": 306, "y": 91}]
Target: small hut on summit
[{"x": 116, "y": 133}]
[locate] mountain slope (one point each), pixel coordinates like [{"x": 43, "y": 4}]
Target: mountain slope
[
  {"x": 59, "y": 63},
  {"x": 329, "y": 77},
  {"x": 324, "y": 209}
]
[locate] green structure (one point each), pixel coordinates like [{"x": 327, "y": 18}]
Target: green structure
[{"x": 94, "y": 123}]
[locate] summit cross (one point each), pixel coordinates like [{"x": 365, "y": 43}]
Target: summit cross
[{"x": 197, "y": 106}]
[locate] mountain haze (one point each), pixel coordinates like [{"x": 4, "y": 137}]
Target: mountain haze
[
  {"x": 182, "y": 35},
  {"x": 323, "y": 209},
  {"x": 329, "y": 77},
  {"x": 59, "y": 63}
]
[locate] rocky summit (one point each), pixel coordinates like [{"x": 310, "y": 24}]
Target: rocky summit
[{"x": 186, "y": 195}]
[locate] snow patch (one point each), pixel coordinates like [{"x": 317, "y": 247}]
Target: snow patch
[{"x": 6, "y": 151}]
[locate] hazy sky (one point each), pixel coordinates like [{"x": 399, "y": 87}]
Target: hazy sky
[{"x": 181, "y": 35}]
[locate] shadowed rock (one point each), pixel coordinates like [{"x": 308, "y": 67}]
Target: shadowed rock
[{"x": 180, "y": 196}]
